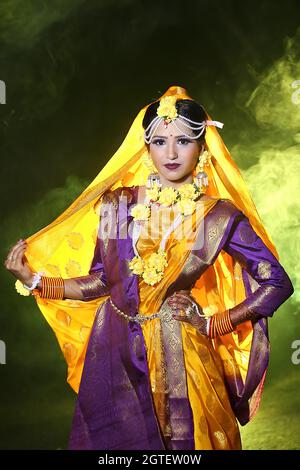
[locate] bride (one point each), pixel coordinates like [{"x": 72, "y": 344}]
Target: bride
[{"x": 158, "y": 282}]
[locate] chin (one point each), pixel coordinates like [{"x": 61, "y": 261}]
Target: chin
[
  {"x": 177, "y": 177},
  {"x": 172, "y": 176}
]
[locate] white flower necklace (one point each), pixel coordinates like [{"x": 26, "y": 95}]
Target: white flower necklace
[{"x": 152, "y": 270}]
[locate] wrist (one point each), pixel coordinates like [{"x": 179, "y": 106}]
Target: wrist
[
  {"x": 28, "y": 280},
  {"x": 34, "y": 280},
  {"x": 220, "y": 324}
]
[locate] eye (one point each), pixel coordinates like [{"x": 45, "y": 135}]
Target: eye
[
  {"x": 184, "y": 141},
  {"x": 158, "y": 142}
]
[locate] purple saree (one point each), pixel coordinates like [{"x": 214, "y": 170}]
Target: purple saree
[{"x": 114, "y": 408}]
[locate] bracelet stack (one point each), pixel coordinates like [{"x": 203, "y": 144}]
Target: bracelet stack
[
  {"x": 220, "y": 325},
  {"x": 52, "y": 288}
]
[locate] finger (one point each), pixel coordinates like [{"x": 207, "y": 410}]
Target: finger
[
  {"x": 179, "y": 296},
  {"x": 14, "y": 248},
  {"x": 180, "y": 303},
  {"x": 182, "y": 306},
  {"x": 17, "y": 249},
  {"x": 180, "y": 318},
  {"x": 17, "y": 255},
  {"x": 178, "y": 306},
  {"x": 20, "y": 253},
  {"x": 16, "y": 244},
  {"x": 185, "y": 292},
  {"x": 186, "y": 296},
  {"x": 186, "y": 303}
]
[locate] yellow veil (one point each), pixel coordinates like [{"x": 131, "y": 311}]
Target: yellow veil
[{"x": 66, "y": 246}]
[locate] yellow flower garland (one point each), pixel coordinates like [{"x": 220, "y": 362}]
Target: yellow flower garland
[{"x": 153, "y": 269}]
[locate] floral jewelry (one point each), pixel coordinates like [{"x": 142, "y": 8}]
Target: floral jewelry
[
  {"x": 201, "y": 175},
  {"x": 25, "y": 290},
  {"x": 153, "y": 177},
  {"x": 167, "y": 112},
  {"x": 167, "y": 109},
  {"x": 153, "y": 269}
]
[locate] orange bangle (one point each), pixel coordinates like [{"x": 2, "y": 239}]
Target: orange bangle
[
  {"x": 52, "y": 287},
  {"x": 212, "y": 327},
  {"x": 228, "y": 321},
  {"x": 220, "y": 325}
]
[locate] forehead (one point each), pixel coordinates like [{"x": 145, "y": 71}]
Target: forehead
[{"x": 173, "y": 131}]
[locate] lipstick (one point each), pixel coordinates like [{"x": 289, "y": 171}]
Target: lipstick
[{"x": 172, "y": 166}]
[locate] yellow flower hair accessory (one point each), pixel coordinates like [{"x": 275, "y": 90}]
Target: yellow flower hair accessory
[{"x": 167, "y": 109}]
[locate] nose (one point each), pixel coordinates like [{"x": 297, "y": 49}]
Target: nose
[{"x": 172, "y": 151}]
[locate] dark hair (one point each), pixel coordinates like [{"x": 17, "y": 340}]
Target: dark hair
[{"x": 187, "y": 108}]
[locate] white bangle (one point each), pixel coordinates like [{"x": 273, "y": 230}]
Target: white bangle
[
  {"x": 36, "y": 280},
  {"x": 207, "y": 326},
  {"x": 195, "y": 305}
]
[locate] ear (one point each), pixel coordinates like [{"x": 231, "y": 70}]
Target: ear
[{"x": 201, "y": 148}]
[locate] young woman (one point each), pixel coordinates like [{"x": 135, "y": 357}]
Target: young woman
[{"x": 159, "y": 286}]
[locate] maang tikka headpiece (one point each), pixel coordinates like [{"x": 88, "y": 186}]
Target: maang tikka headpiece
[{"x": 167, "y": 113}]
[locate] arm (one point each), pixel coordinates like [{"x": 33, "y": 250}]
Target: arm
[
  {"x": 89, "y": 287},
  {"x": 275, "y": 286},
  {"x": 85, "y": 288}
]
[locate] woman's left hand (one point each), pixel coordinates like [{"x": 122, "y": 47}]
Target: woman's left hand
[{"x": 182, "y": 300}]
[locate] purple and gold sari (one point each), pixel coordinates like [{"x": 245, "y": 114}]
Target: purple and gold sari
[{"x": 160, "y": 384}]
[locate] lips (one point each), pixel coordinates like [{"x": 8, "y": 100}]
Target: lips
[{"x": 172, "y": 166}]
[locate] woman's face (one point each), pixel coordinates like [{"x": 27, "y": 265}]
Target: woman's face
[{"x": 169, "y": 146}]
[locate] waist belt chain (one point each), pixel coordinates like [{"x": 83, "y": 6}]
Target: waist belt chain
[{"x": 164, "y": 314}]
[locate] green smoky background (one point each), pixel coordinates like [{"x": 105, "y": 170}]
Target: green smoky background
[{"x": 76, "y": 74}]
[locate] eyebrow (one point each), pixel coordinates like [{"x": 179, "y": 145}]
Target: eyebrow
[{"x": 164, "y": 137}]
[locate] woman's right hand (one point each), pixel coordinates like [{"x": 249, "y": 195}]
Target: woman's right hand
[{"x": 17, "y": 264}]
